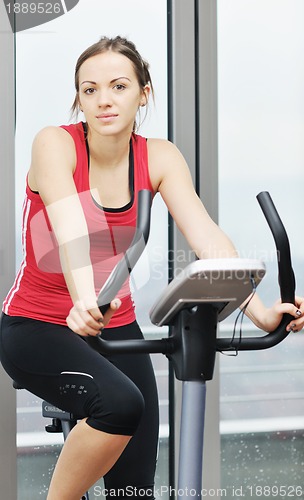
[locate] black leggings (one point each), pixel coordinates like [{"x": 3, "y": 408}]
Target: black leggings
[{"x": 116, "y": 393}]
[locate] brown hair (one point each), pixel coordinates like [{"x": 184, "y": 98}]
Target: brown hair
[{"x": 121, "y": 46}]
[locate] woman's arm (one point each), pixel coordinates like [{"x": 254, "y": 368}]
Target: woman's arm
[
  {"x": 268, "y": 319},
  {"x": 170, "y": 175},
  {"x": 51, "y": 174}
]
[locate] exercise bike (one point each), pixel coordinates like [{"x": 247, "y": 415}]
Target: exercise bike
[{"x": 204, "y": 293}]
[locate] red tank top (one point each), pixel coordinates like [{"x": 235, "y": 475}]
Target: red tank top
[{"x": 39, "y": 290}]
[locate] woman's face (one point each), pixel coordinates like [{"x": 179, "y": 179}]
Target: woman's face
[{"x": 109, "y": 93}]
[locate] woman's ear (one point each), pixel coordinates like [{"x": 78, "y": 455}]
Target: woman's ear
[
  {"x": 145, "y": 95},
  {"x": 78, "y": 103}
]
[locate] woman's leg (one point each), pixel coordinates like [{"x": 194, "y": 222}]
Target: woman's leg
[
  {"x": 133, "y": 473},
  {"x": 86, "y": 456},
  {"x": 57, "y": 365}
]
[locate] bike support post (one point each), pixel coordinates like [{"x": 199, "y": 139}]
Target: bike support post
[
  {"x": 193, "y": 356},
  {"x": 191, "y": 439}
]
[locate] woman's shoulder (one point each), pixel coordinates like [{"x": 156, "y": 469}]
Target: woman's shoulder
[
  {"x": 160, "y": 145},
  {"x": 52, "y": 134},
  {"x": 165, "y": 159},
  {"x": 54, "y": 141},
  {"x": 53, "y": 150},
  {"x": 164, "y": 153}
]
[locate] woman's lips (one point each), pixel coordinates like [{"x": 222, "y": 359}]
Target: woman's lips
[{"x": 107, "y": 117}]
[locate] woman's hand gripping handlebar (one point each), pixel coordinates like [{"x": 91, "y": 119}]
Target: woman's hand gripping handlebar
[
  {"x": 285, "y": 277},
  {"x": 89, "y": 321}
]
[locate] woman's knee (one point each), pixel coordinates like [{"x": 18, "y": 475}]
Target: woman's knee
[
  {"x": 112, "y": 405},
  {"x": 117, "y": 413}
]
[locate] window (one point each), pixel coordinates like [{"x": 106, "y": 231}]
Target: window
[{"x": 261, "y": 116}]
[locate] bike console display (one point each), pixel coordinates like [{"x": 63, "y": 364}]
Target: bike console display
[{"x": 226, "y": 283}]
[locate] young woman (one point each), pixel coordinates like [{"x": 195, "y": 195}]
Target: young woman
[{"x": 79, "y": 216}]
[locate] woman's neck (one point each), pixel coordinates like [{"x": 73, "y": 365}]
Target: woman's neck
[{"x": 108, "y": 151}]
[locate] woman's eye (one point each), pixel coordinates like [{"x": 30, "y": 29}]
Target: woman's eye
[
  {"x": 120, "y": 86},
  {"x": 89, "y": 91}
]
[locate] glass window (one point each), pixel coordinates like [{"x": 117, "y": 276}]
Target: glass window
[
  {"x": 261, "y": 117},
  {"x": 45, "y": 60}
]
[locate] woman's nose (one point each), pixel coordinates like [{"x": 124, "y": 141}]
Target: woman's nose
[{"x": 104, "y": 98}]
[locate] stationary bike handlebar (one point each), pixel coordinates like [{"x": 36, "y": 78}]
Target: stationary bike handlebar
[
  {"x": 119, "y": 275},
  {"x": 286, "y": 274},
  {"x": 286, "y": 281},
  {"x": 124, "y": 267},
  {"x": 122, "y": 270}
]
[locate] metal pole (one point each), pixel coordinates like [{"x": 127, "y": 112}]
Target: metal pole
[
  {"x": 8, "y": 453},
  {"x": 191, "y": 440}
]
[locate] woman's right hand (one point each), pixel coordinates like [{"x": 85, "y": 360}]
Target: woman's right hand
[{"x": 86, "y": 322}]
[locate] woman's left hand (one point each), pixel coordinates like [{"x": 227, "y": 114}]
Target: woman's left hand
[{"x": 274, "y": 315}]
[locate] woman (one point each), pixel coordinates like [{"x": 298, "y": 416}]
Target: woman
[{"x": 79, "y": 216}]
